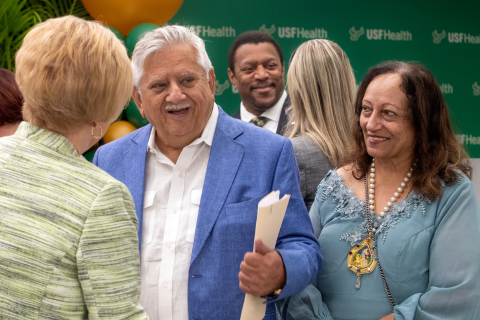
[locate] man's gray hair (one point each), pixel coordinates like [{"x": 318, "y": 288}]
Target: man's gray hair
[{"x": 161, "y": 38}]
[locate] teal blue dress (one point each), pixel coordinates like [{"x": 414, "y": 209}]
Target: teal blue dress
[{"x": 429, "y": 251}]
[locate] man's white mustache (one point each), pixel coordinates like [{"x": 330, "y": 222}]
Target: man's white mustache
[{"x": 177, "y": 106}]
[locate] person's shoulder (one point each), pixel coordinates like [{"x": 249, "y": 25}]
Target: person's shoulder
[
  {"x": 261, "y": 132},
  {"x": 256, "y": 135},
  {"x": 236, "y": 115},
  {"x": 457, "y": 196},
  {"x": 461, "y": 182},
  {"x": 462, "y": 178},
  {"x": 90, "y": 175},
  {"x": 332, "y": 185},
  {"x": 305, "y": 144},
  {"x": 91, "y": 171},
  {"x": 264, "y": 138},
  {"x": 346, "y": 173},
  {"x": 299, "y": 141},
  {"x": 121, "y": 145},
  {"x": 128, "y": 138}
]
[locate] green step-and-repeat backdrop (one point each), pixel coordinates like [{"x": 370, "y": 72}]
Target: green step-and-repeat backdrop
[{"x": 442, "y": 35}]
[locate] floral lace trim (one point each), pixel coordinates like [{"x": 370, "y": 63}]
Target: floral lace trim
[{"x": 349, "y": 206}]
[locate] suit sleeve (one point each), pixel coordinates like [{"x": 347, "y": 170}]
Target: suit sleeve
[
  {"x": 296, "y": 242},
  {"x": 454, "y": 274},
  {"x": 308, "y": 304},
  {"x": 108, "y": 259}
]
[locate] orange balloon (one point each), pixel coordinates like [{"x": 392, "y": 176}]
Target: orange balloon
[
  {"x": 117, "y": 130},
  {"x": 123, "y": 15}
]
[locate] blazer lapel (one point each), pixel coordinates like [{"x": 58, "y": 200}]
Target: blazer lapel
[
  {"x": 282, "y": 122},
  {"x": 134, "y": 168},
  {"x": 225, "y": 158},
  {"x": 237, "y": 115}
]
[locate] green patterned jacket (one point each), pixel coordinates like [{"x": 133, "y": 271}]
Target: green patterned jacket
[{"x": 68, "y": 234}]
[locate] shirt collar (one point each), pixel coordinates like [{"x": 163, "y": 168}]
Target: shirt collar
[
  {"x": 207, "y": 134},
  {"x": 52, "y": 140},
  {"x": 272, "y": 113}
]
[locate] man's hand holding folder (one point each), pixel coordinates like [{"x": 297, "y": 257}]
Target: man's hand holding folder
[{"x": 262, "y": 272}]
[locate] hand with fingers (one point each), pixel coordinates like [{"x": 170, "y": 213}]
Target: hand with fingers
[{"x": 262, "y": 272}]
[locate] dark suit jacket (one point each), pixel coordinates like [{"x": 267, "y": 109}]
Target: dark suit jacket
[
  {"x": 246, "y": 163},
  {"x": 282, "y": 122}
]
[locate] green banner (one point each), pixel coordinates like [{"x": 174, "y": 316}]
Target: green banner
[{"x": 442, "y": 35}]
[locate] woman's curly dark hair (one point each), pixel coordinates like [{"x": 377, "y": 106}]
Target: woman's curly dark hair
[{"x": 439, "y": 155}]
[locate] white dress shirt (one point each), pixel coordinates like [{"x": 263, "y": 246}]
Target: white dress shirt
[
  {"x": 273, "y": 114},
  {"x": 170, "y": 210}
]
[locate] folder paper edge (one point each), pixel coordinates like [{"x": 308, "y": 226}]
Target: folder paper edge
[{"x": 269, "y": 222}]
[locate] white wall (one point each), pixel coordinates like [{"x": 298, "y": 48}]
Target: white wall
[{"x": 476, "y": 177}]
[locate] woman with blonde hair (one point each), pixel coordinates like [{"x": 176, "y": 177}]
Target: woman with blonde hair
[
  {"x": 68, "y": 230},
  {"x": 322, "y": 87}
]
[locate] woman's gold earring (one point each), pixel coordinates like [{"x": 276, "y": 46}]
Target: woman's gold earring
[{"x": 99, "y": 136}]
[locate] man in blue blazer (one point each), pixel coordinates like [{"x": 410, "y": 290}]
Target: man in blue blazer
[{"x": 196, "y": 176}]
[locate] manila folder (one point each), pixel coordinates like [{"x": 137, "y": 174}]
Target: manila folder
[{"x": 271, "y": 211}]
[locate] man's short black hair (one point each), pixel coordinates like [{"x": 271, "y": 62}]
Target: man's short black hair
[{"x": 254, "y": 37}]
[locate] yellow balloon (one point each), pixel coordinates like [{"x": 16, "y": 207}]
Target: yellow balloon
[
  {"x": 117, "y": 130},
  {"x": 123, "y": 15}
]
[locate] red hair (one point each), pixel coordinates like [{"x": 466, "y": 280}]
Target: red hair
[{"x": 11, "y": 99}]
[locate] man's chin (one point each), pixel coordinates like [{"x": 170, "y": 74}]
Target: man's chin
[{"x": 264, "y": 104}]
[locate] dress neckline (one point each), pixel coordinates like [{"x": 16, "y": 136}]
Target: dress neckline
[
  {"x": 350, "y": 190},
  {"x": 348, "y": 206}
]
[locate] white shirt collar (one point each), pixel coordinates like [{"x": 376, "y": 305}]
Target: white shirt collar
[
  {"x": 273, "y": 113},
  {"x": 207, "y": 134}
]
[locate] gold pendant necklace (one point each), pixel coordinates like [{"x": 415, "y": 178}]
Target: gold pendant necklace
[{"x": 363, "y": 258}]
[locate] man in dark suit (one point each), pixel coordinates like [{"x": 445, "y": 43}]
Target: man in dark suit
[{"x": 256, "y": 69}]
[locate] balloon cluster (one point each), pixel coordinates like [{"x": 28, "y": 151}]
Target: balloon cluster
[
  {"x": 124, "y": 15},
  {"x": 133, "y": 20}
]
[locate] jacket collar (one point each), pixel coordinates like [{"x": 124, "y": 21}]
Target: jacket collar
[
  {"x": 51, "y": 140},
  {"x": 225, "y": 158}
]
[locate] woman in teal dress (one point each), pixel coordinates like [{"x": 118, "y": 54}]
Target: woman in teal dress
[
  {"x": 423, "y": 222},
  {"x": 68, "y": 230}
]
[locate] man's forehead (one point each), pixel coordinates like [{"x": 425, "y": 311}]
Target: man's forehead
[
  {"x": 175, "y": 58},
  {"x": 173, "y": 49},
  {"x": 252, "y": 52}
]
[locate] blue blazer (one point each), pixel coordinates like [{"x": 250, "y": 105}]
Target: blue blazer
[{"x": 246, "y": 163}]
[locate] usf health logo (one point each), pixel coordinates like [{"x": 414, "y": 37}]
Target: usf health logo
[
  {"x": 295, "y": 32},
  {"x": 219, "y": 88},
  {"x": 446, "y": 88},
  {"x": 455, "y": 37},
  {"x": 355, "y": 34},
  {"x": 270, "y": 30},
  {"x": 438, "y": 37},
  {"x": 380, "y": 34},
  {"x": 221, "y": 32},
  {"x": 467, "y": 139},
  {"x": 476, "y": 89}
]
